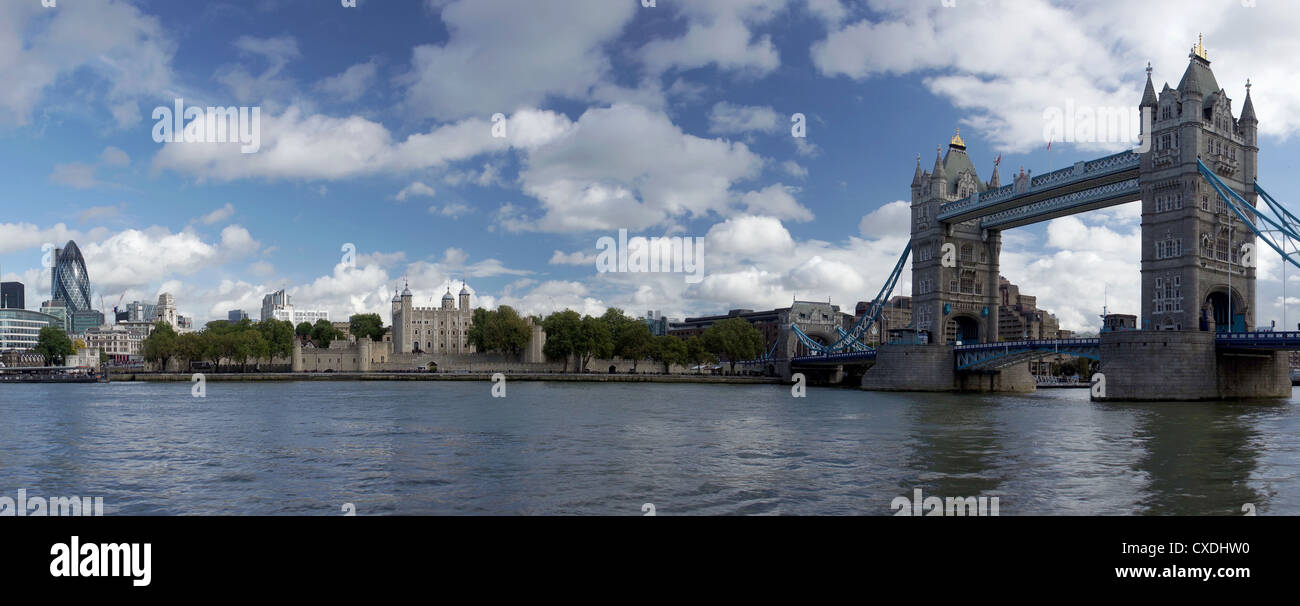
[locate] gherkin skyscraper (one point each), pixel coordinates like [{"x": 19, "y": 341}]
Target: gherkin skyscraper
[{"x": 69, "y": 281}]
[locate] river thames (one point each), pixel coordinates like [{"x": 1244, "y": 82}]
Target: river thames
[{"x": 307, "y": 448}]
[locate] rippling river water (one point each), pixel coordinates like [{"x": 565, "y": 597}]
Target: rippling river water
[{"x": 608, "y": 448}]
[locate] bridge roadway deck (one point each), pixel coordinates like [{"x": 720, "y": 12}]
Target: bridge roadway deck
[{"x": 1084, "y": 186}]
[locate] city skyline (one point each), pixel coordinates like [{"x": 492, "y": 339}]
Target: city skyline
[{"x": 688, "y": 108}]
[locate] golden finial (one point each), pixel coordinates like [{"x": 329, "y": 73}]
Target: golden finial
[
  {"x": 1199, "y": 49},
  {"x": 956, "y": 139}
]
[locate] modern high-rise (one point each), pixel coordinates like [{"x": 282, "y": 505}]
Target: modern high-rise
[
  {"x": 69, "y": 281},
  {"x": 12, "y": 295},
  {"x": 20, "y": 328},
  {"x": 81, "y": 321},
  {"x": 139, "y": 311},
  {"x": 236, "y": 315},
  {"x": 60, "y": 312},
  {"x": 278, "y": 300},
  {"x": 279, "y": 305}
]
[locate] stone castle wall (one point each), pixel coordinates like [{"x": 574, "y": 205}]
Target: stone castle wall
[{"x": 367, "y": 356}]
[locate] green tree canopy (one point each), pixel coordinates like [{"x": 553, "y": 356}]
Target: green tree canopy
[
  {"x": 562, "y": 331},
  {"x": 160, "y": 345},
  {"x": 367, "y": 325},
  {"x": 595, "y": 340},
  {"x": 734, "y": 339},
  {"x": 54, "y": 345},
  {"x": 303, "y": 330},
  {"x": 633, "y": 341},
  {"x": 189, "y": 347},
  {"x": 670, "y": 350},
  {"x": 697, "y": 353},
  {"x": 278, "y": 335},
  {"x": 247, "y": 344},
  {"x": 502, "y": 330},
  {"x": 323, "y": 333}
]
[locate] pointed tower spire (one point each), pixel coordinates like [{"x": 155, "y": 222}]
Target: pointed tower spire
[
  {"x": 1248, "y": 108},
  {"x": 1149, "y": 95},
  {"x": 938, "y": 178},
  {"x": 916, "y": 178},
  {"x": 995, "y": 181}
]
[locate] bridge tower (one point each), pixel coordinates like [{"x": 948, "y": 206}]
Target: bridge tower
[
  {"x": 954, "y": 266},
  {"x": 1194, "y": 276}
]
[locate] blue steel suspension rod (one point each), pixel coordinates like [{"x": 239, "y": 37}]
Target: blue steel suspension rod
[
  {"x": 1228, "y": 196},
  {"x": 1291, "y": 220},
  {"x": 855, "y": 334}
]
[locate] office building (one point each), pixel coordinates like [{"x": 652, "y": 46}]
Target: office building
[
  {"x": 82, "y": 321},
  {"x": 122, "y": 345},
  {"x": 818, "y": 317},
  {"x": 279, "y": 305},
  {"x": 236, "y": 315},
  {"x": 20, "y": 328},
  {"x": 278, "y": 300},
  {"x": 69, "y": 281},
  {"x": 1019, "y": 316},
  {"x": 138, "y": 311},
  {"x": 12, "y": 295},
  {"x": 58, "y": 310}
]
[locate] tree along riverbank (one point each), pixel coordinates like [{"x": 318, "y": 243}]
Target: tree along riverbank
[{"x": 442, "y": 376}]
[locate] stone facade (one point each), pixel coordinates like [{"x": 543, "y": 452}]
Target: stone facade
[
  {"x": 1135, "y": 366},
  {"x": 443, "y": 330},
  {"x": 1191, "y": 242},
  {"x": 957, "y": 303},
  {"x": 1019, "y": 316},
  {"x": 912, "y": 368}
]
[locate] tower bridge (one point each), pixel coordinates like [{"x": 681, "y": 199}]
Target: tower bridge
[{"x": 1195, "y": 175}]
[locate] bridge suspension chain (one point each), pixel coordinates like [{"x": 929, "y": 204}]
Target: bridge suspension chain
[
  {"x": 1282, "y": 223},
  {"x": 851, "y": 340}
]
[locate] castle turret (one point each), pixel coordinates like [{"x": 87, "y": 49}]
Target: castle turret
[
  {"x": 464, "y": 297},
  {"x": 938, "y": 178},
  {"x": 1249, "y": 124},
  {"x": 1148, "y": 95}
]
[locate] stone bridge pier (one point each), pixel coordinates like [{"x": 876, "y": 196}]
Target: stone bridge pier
[
  {"x": 1185, "y": 366},
  {"x": 933, "y": 368}
]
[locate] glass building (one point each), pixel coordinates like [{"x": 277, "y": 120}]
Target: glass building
[
  {"x": 20, "y": 328},
  {"x": 58, "y": 311},
  {"x": 82, "y": 321},
  {"x": 12, "y": 295},
  {"x": 69, "y": 282}
]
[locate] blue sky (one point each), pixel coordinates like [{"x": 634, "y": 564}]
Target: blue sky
[{"x": 667, "y": 120}]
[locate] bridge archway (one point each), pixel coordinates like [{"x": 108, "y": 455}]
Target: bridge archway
[
  {"x": 1224, "y": 314},
  {"x": 963, "y": 329},
  {"x": 822, "y": 337}
]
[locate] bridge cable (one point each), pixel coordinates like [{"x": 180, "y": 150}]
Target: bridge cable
[{"x": 852, "y": 339}]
